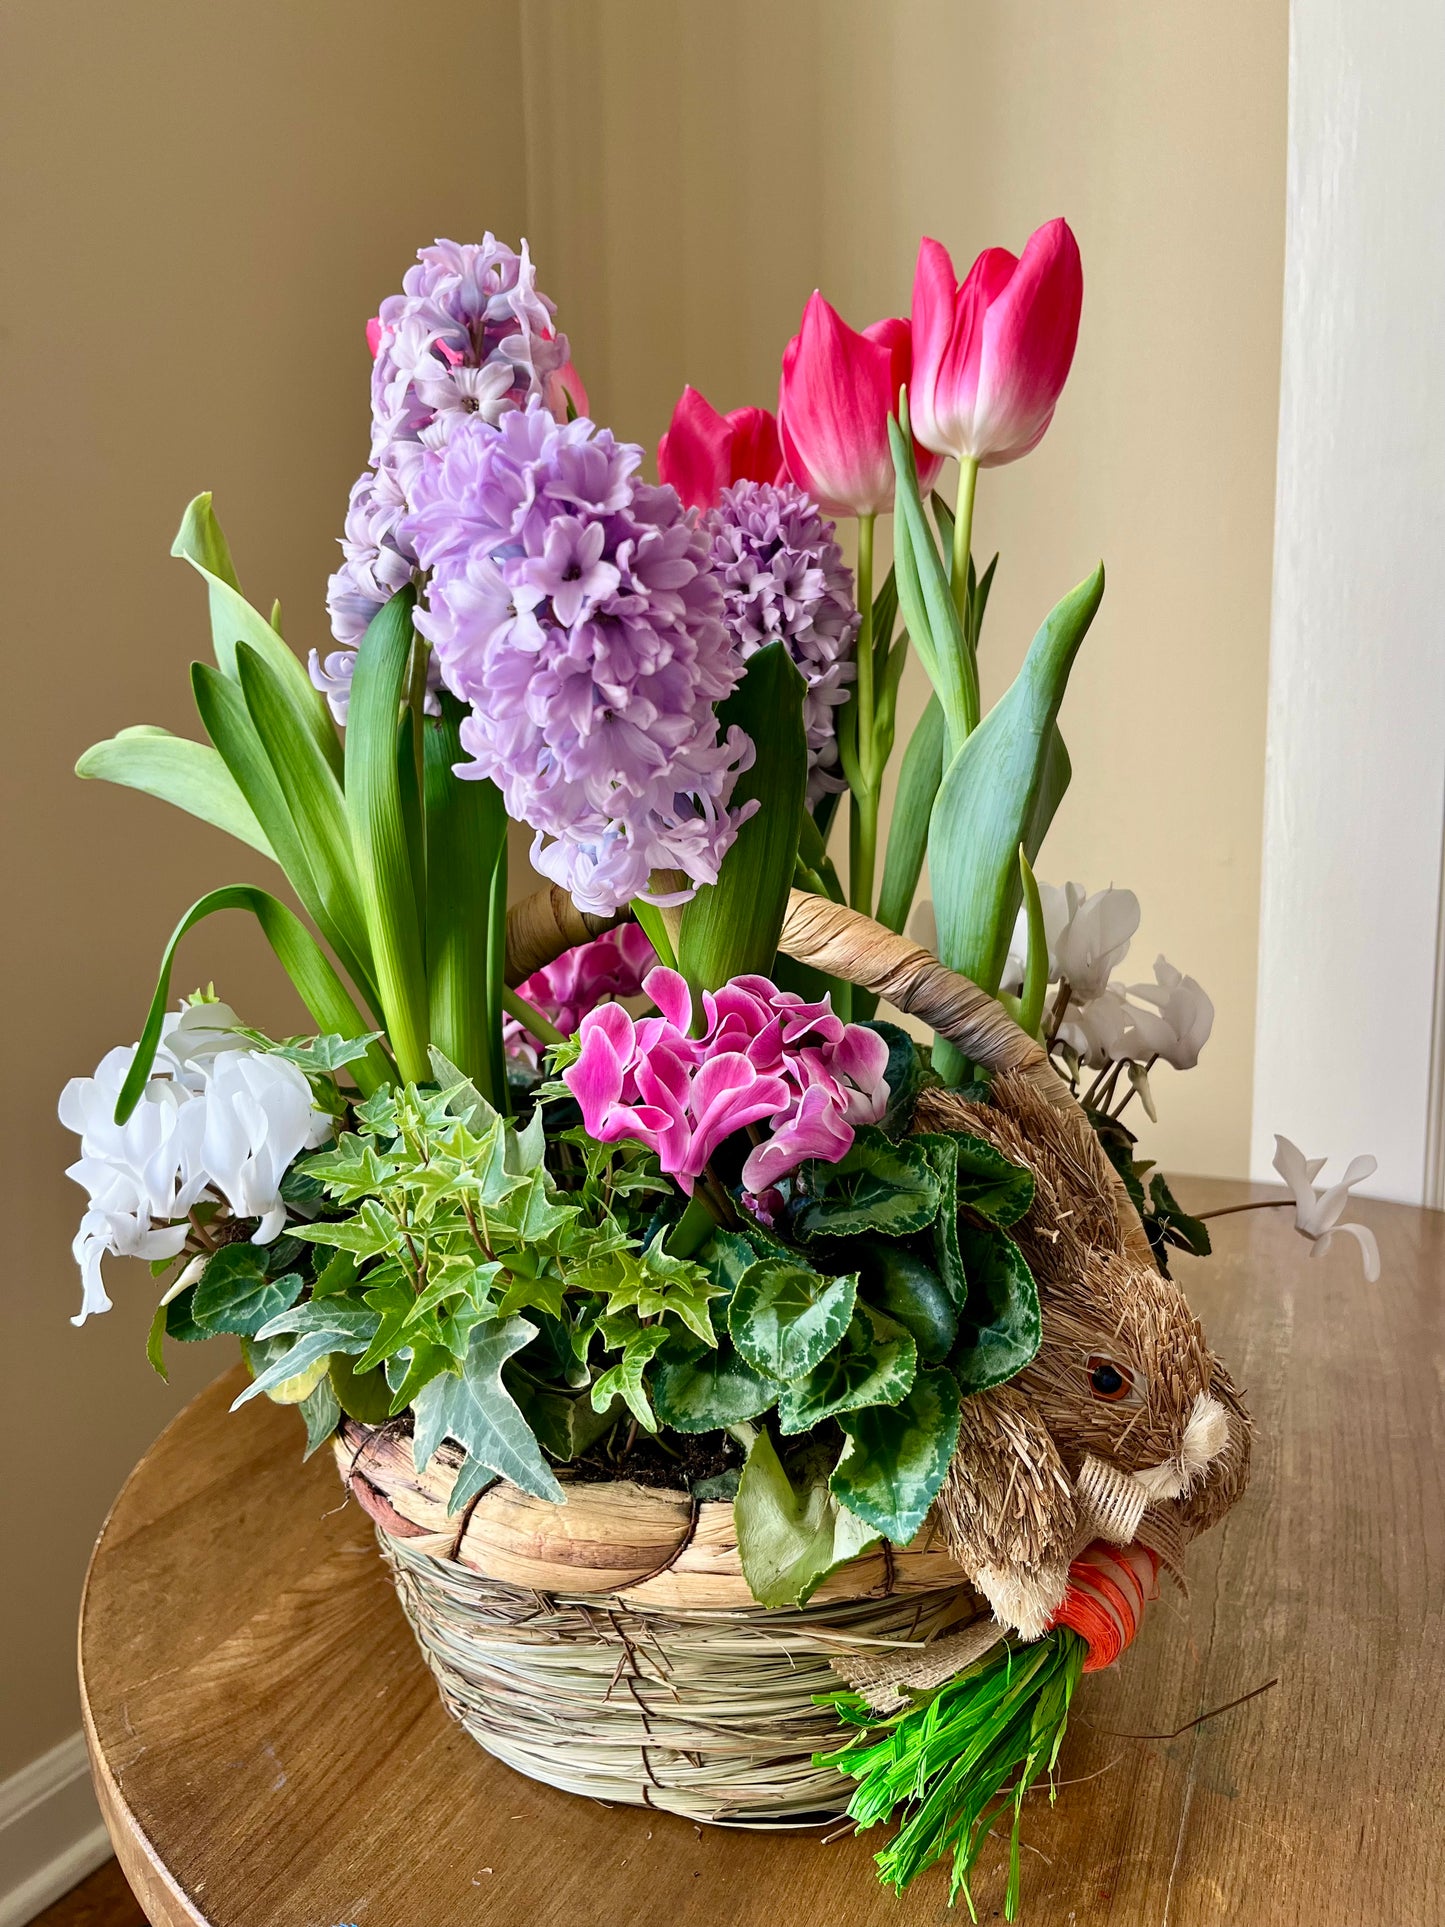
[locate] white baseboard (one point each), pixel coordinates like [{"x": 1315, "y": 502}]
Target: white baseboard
[{"x": 51, "y": 1832}]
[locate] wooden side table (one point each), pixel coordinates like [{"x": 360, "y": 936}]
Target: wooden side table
[{"x": 270, "y": 1751}]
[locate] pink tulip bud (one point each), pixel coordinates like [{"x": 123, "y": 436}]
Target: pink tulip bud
[
  {"x": 564, "y": 394},
  {"x": 373, "y": 335},
  {"x": 837, "y": 392},
  {"x": 704, "y": 452},
  {"x": 991, "y": 356}
]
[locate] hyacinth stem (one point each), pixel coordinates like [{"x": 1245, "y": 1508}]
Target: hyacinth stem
[
  {"x": 863, "y": 823},
  {"x": 963, "y": 537}
]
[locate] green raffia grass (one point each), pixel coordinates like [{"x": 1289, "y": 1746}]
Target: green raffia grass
[{"x": 956, "y": 1759}]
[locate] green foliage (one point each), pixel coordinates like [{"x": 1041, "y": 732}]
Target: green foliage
[
  {"x": 785, "y": 1317},
  {"x": 732, "y": 927},
  {"x": 474, "y": 1407},
  {"x": 919, "y": 775},
  {"x": 1000, "y": 1328},
  {"x": 190, "y": 775},
  {"x": 876, "y": 1186},
  {"x": 905, "y": 1074},
  {"x": 236, "y": 1294},
  {"x": 897, "y": 1456},
  {"x": 910, "y": 1291},
  {"x": 874, "y": 1365},
  {"x": 1167, "y": 1224},
  {"x": 954, "y": 1762},
  {"x": 696, "y": 1388},
  {"x": 791, "y": 1537}
]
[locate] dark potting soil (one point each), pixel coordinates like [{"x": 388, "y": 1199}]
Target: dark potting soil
[{"x": 682, "y": 1463}]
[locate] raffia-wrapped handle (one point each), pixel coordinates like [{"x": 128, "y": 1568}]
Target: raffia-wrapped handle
[{"x": 844, "y": 943}]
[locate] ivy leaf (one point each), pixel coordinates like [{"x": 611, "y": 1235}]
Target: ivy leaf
[
  {"x": 533, "y": 1284},
  {"x": 897, "y": 1456},
  {"x": 876, "y": 1186},
  {"x": 531, "y": 1212},
  {"x": 352, "y": 1170},
  {"x": 322, "y": 1414},
  {"x": 475, "y": 1408},
  {"x": 394, "y": 1303},
  {"x": 364, "y": 1396},
  {"x": 320, "y": 1327},
  {"x": 1000, "y": 1329},
  {"x": 624, "y": 1379},
  {"x": 155, "y": 1343},
  {"x": 654, "y": 1284},
  {"x": 235, "y": 1295},
  {"x": 696, "y": 1388},
  {"x": 790, "y": 1540},
  {"x": 874, "y": 1365},
  {"x": 785, "y": 1318},
  {"x": 371, "y": 1232},
  {"x": 338, "y": 1274},
  {"x": 426, "y": 1360}
]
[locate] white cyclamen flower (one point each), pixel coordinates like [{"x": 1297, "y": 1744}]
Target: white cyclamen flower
[
  {"x": 1180, "y": 1018},
  {"x": 1317, "y": 1213},
  {"x": 225, "y": 1120},
  {"x": 1105, "y": 1030},
  {"x": 1088, "y": 937},
  {"x": 259, "y": 1118}
]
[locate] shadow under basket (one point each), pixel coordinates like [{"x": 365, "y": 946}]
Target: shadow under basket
[{"x": 610, "y": 1647}]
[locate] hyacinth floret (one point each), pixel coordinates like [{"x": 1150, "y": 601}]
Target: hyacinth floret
[
  {"x": 571, "y": 604},
  {"x": 784, "y": 580},
  {"x": 470, "y": 336}
]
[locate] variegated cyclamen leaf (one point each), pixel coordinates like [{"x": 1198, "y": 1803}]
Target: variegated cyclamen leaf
[
  {"x": 699, "y": 1388},
  {"x": 897, "y": 1456},
  {"x": 874, "y": 1365},
  {"x": 1001, "y": 1328},
  {"x": 876, "y": 1186},
  {"x": 785, "y": 1317}
]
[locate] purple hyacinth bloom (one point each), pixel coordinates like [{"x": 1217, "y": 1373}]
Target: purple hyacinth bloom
[
  {"x": 572, "y": 607},
  {"x": 468, "y": 337},
  {"x": 784, "y": 580}
]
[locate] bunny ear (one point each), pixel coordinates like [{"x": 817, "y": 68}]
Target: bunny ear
[{"x": 1008, "y": 1511}]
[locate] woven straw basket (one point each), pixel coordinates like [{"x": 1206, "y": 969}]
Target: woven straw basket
[{"x": 610, "y": 1646}]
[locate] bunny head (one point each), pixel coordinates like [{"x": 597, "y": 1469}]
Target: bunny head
[{"x": 1124, "y": 1424}]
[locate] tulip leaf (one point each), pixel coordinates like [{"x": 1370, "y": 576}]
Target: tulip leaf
[
  {"x": 176, "y": 770},
  {"x": 1000, "y": 785},
  {"x": 379, "y": 833},
  {"x": 466, "y": 839},
  {"x": 926, "y": 599},
  {"x": 1001, "y": 1328},
  {"x": 897, "y": 1456},
  {"x": 874, "y": 1365},
  {"x": 919, "y": 776},
  {"x": 790, "y": 1539},
  {"x": 200, "y": 542},
  {"x": 475, "y": 1408},
  {"x": 732, "y": 927},
  {"x": 875, "y": 1186},
  {"x": 700, "y": 1388},
  {"x": 785, "y": 1317},
  {"x": 303, "y": 960}
]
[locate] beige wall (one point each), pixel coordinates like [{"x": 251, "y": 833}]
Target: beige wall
[{"x": 204, "y": 205}]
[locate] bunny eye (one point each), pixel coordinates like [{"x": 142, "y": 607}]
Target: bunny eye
[{"x": 1110, "y": 1382}]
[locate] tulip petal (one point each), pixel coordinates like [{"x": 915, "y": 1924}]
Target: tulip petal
[{"x": 695, "y": 453}]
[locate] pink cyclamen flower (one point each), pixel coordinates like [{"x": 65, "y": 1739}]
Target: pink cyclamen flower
[
  {"x": 991, "y": 354},
  {"x": 765, "y": 1056},
  {"x": 837, "y": 392},
  {"x": 612, "y": 965},
  {"x": 704, "y": 452}
]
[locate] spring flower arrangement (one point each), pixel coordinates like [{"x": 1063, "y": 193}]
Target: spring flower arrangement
[{"x": 655, "y": 1194}]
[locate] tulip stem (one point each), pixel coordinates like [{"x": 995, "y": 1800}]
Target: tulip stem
[
  {"x": 963, "y": 537},
  {"x": 863, "y": 824}
]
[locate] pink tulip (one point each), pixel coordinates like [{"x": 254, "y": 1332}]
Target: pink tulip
[
  {"x": 562, "y": 387},
  {"x": 837, "y": 392},
  {"x": 990, "y": 356},
  {"x": 704, "y": 452}
]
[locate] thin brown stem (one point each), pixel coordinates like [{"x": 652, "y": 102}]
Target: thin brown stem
[{"x": 1255, "y": 1204}]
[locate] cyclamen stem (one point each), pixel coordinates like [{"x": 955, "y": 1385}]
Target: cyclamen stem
[
  {"x": 1255, "y": 1204},
  {"x": 529, "y": 1017}
]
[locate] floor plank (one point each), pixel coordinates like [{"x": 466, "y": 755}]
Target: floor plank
[{"x": 104, "y": 1900}]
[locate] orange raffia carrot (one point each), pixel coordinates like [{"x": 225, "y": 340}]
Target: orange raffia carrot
[{"x": 1109, "y": 1587}]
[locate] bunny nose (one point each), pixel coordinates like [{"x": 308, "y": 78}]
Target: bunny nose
[{"x": 1205, "y": 1437}]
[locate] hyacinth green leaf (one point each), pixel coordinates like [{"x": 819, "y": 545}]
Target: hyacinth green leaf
[
  {"x": 190, "y": 775},
  {"x": 700, "y": 1388},
  {"x": 475, "y": 1408},
  {"x": 732, "y": 927},
  {"x": 313, "y": 799},
  {"x": 304, "y": 962},
  {"x": 790, "y": 1539},
  {"x": 897, "y": 1456},
  {"x": 200, "y": 542},
  {"x": 919, "y": 776},
  {"x": 876, "y": 1186},
  {"x": 235, "y": 1295},
  {"x": 379, "y": 833},
  {"x": 994, "y": 792},
  {"x": 874, "y": 1365},
  {"x": 785, "y": 1317},
  {"x": 1001, "y": 1328},
  {"x": 466, "y": 838}
]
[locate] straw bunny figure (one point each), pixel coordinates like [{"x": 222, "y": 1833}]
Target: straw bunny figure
[{"x": 1124, "y": 1426}]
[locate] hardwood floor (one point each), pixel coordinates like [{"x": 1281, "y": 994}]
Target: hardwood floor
[{"x": 104, "y": 1900}]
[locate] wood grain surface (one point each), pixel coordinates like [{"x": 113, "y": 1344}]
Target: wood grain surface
[{"x": 270, "y": 1752}]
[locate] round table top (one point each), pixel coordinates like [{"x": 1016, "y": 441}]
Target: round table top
[{"x": 270, "y": 1751}]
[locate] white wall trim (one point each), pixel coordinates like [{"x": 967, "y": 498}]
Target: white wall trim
[
  {"x": 1350, "y": 1055},
  {"x": 51, "y": 1832}
]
